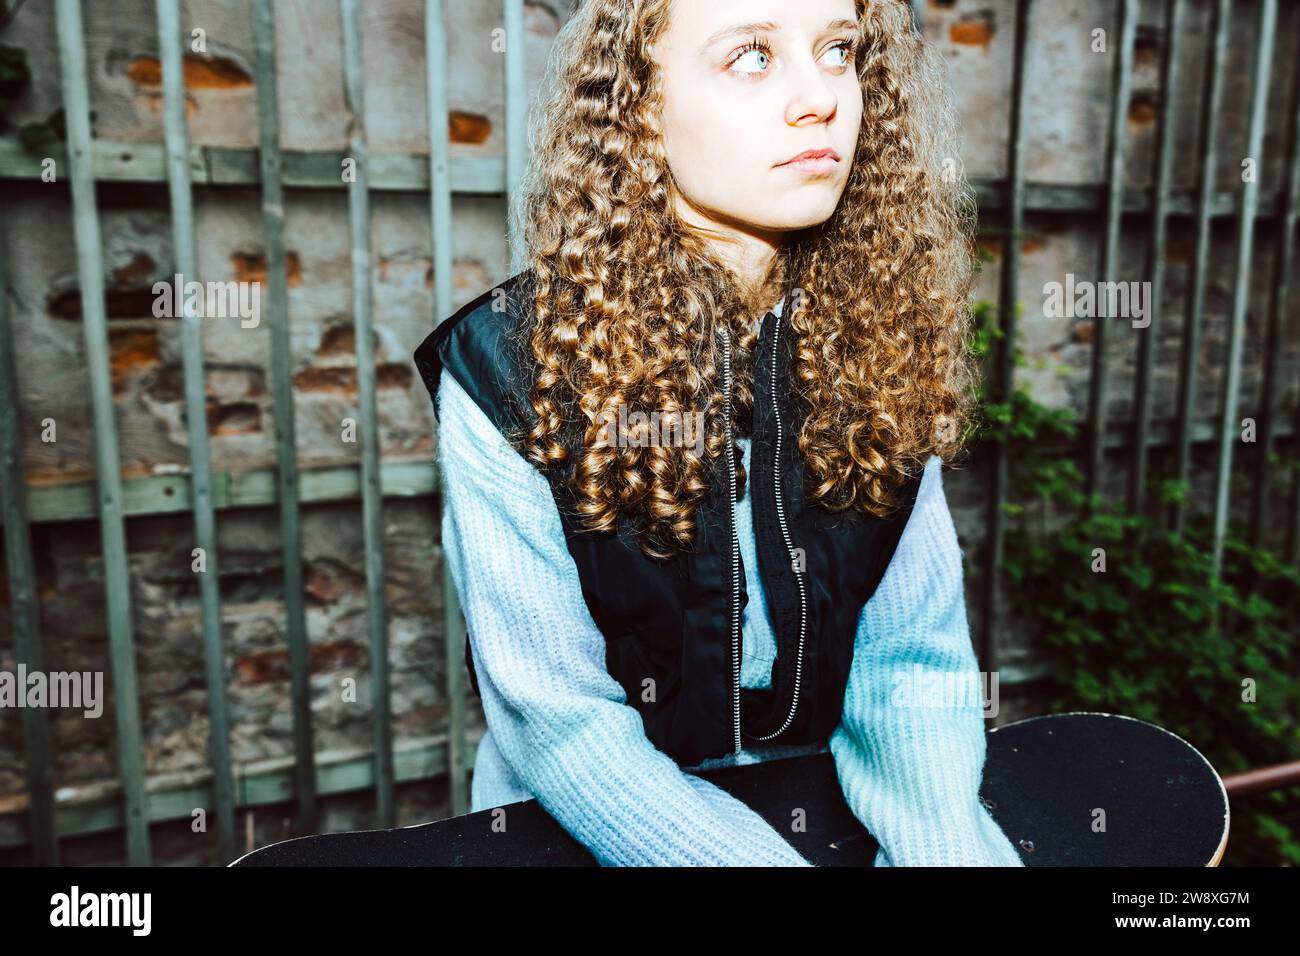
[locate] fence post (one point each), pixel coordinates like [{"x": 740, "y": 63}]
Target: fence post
[
  {"x": 1229, "y": 434},
  {"x": 1123, "y": 82},
  {"x": 372, "y": 504},
  {"x": 1284, "y": 247},
  {"x": 1000, "y": 389},
  {"x": 170, "y": 46},
  {"x": 1156, "y": 256},
  {"x": 440, "y": 222},
  {"x": 516, "y": 98},
  {"x": 117, "y": 580},
  {"x": 22, "y": 588},
  {"x": 286, "y": 442}
]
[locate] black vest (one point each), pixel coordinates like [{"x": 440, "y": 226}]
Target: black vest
[{"x": 676, "y": 623}]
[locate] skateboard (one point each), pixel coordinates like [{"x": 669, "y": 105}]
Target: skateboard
[
  {"x": 1091, "y": 789},
  {"x": 1073, "y": 789}
]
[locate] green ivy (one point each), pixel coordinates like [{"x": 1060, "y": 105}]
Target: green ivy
[{"x": 1155, "y": 635}]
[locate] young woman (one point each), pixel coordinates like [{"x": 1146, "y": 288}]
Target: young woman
[{"x": 742, "y": 215}]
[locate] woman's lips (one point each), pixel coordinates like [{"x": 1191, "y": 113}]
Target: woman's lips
[
  {"x": 819, "y": 166},
  {"x": 817, "y": 163}
]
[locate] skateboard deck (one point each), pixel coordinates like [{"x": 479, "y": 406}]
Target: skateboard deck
[
  {"x": 1076, "y": 789},
  {"x": 833, "y": 836},
  {"x": 1090, "y": 789}
]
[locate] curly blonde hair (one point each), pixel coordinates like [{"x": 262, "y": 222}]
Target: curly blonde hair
[{"x": 627, "y": 300}]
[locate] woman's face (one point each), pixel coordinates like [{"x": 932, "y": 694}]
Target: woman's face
[{"x": 749, "y": 85}]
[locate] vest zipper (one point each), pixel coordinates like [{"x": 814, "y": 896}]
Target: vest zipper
[
  {"x": 733, "y": 607},
  {"x": 785, "y": 532}
]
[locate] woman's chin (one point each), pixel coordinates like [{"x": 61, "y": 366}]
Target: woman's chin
[{"x": 805, "y": 216}]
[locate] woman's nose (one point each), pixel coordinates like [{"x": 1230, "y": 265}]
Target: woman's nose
[{"x": 812, "y": 97}]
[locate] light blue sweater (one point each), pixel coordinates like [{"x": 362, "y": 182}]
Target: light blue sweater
[{"x": 560, "y": 728}]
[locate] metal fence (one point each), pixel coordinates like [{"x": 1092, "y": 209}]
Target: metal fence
[
  {"x": 112, "y": 501},
  {"x": 1161, "y": 204}
]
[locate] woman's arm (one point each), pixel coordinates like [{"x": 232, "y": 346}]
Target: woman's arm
[
  {"x": 560, "y": 721},
  {"x": 911, "y": 774}
]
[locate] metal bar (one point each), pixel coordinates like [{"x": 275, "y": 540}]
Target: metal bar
[
  {"x": 1003, "y": 383},
  {"x": 1089, "y": 199},
  {"x": 1284, "y": 248},
  {"x": 25, "y": 611},
  {"x": 1193, "y": 320},
  {"x": 516, "y": 90},
  {"x": 170, "y": 43},
  {"x": 117, "y": 583},
  {"x": 1115, "y": 147},
  {"x": 1262, "y": 780},
  {"x": 441, "y": 181},
  {"x": 1149, "y": 336},
  {"x": 88, "y": 809},
  {"x": 1264, "y": 27},
  {"x": 440, "y": 221},
  {"x": 371, "y": 502},
  {"x": 257, "y": 488},
  {"x": 145, "y": 163},
  {"x": 286, "y": 441}
]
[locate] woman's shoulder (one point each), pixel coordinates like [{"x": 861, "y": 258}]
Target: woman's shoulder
[
  {"x": 499, "y": 306},
  {"x": 488, "y": 315},
  {"x": 480, "y": 346}
]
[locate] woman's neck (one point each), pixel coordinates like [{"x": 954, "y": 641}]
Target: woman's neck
[{"x": 749, "y": 254}]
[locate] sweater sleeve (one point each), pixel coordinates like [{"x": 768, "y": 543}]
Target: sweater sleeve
[
  {"x": 559, "y": 720},
  {"x": 909, "y": 760}
]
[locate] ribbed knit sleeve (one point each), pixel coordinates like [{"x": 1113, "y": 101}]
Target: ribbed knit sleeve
[
  {"x": 911, "y": 774},
  {"x": 559, "y": 720}
]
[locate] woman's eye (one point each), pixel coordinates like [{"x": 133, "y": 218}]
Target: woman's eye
[
  {"x": 749, "y": 55},
  {"x": 845, "y": 48},
  {"x": 760, "y": 57}
]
